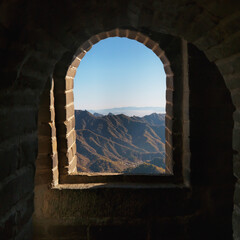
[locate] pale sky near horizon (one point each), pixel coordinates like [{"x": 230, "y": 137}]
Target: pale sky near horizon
[{"x": 119, "y": 72}]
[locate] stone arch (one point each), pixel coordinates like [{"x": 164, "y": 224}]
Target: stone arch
[
  {"x": 212, "y": 26},
  {"x": 69, "y": 159},
  {"x": 61, "y": 97}
]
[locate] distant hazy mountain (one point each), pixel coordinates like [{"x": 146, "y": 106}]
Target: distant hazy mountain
[
  {"x": 130, "y": 111},
  {"x": 118, "y": 143},
  {"x": 98, "y": 114}
]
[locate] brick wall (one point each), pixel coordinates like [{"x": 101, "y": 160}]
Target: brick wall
[
  {"x": 35, "y": 35},
  {"x": 143, "y": 212},
  {"x": 175, "y": 66}
]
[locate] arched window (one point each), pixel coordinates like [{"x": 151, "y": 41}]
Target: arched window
[
  {"x": 176, "y": 129},
  {"x": 119, "y": 100}
]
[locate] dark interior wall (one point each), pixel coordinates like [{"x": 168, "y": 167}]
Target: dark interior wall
[
  {"x": 167, "y": 212},
  {"x": 35, "y": 34},
  {"x": 211, "y": 127},
  {"x": 172, "y": 54},
  {"x": 211, "y": 122}
]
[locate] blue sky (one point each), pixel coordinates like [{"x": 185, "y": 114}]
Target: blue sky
[{"x": 119, "y": 72}]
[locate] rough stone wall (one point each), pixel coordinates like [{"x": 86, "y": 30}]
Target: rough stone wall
[
  {"x": 167, "y": 211},
  {"x": 47, "y": 160},
  {"x": 211, "y": 127},
  {"x": 174, "y": 58},
  {"x": 35, "y": 35}
]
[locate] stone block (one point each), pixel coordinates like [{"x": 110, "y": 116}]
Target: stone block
[
  {"x": 28, "y": 151},
  {"x": 33, "y": 68},
  {"x": 63, "y": 99},
  {"x": 232, "y": 81},
  {"x": 18, "y": 220},
  {"x": 225, "y": 49},
  {"x": 236, "y": 98},
  {"x": 76, "y": 62},
  {"x": 16, "y": 188},
  {"x": 72, "y": 151},
  {"x": 102, "y": 35},
  {"x": 236, "y": 223},
  {"x": 159, "y": 52},
  {"x": 10, "y": 155},
  {"x": 169, "y": 95},
  {"x": 169, "y": 110},
  {"x": 236, "y": 139},
  {"x": 19, "y": 98},
  {"x": 122, "y": 32},
  {"x": 118, "y": 231},
  {"x": 44, "y": 114},
  {"x": 71, "y": 231},
  {"x": 168, "y": 122},
  {"x": 61, "y": 114},
  {"x": 81, "y": 54},
  {"x": 132, "y": 34},
  {"x": 70, "y": 111},
  {"x": 229, "y": 66},
  {"x": 141, "y": 38},
  {"x": 168, "y": 136},
  {"x": 236, "y": 165},
  {"x": 167, "y": 69},
  {"x": 44, "y": 162},
  {"x": 45, "y": 145},
  {"x": 236, "y": 115},
  {"x": 95, "y": 39},
  {"x": 66, "y": 127},
  {"x": 71, "y": 72},
  {"x": 86, "y": 46},
  {"x": 47, "y": 129},
  {"x": 63, "y": 159},
  {"x": 55, "y": 177},
  {"x": 16, "y": 122},
  {"x": 69, "y": 83},
  {"x": 72, "y": 167},
  {"x": 237, "y": 195},
  {"x": 169, "y": 82},
  {"x": 43, "y": 177},
  {"x": 220, "y": 9}
]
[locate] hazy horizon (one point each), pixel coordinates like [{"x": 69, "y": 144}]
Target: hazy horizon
[
  {"x": 123, "y": 107},
  {"x": 129, "y": 111}
]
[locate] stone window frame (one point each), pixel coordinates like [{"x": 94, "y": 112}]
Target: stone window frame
[{"x": 176, "y": 125}]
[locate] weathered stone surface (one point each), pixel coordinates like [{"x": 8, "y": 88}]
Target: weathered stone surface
[{"x": 36, "y": 35}]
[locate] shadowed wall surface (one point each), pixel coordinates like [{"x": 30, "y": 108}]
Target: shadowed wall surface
[{"x": 38, "y": 37}]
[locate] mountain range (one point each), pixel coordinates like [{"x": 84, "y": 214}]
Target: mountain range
[
  {"x": 130, "y": 111},
  {"x": 120, "y": 144}
]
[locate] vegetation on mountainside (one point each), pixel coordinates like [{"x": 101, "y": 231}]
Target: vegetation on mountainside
[{"x": 118, "y": 143}]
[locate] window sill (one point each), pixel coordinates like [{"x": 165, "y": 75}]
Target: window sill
[
  {"x": 119, "y": 186},
  {"x": 116, "y": 180}
]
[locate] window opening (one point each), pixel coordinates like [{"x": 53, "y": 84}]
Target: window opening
[
  {"x": 172, "y": 52},
  {"x": 119, "y": 99}
]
